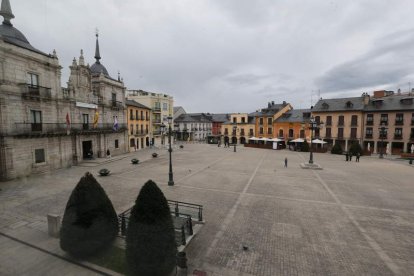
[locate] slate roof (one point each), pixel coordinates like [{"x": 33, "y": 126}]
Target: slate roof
[
  {"x": 386, "y": 103},
  {"x": 270, "y": 110},
  {"x": 391, "y": 103},
  {"x": 294, "y": 116},
  {"x": 136, "y": 104},
  {"x": 340, "y": 104},
  {"x": 194, "y": 117},
  {"x": 220, "y": 117}
]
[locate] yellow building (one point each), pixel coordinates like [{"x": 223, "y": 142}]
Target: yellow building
[
  {"x": 138, "y": 122},
  {"x": 238, "y": 129}
]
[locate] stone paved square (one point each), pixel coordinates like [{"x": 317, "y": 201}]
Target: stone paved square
[{"x": 347, "y": 219}]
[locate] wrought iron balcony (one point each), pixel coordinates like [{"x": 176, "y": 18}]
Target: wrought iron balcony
[
  {"x": 35, "y": 91},
  {"x": 399, "y": 122},
  {"x": 56, "y": 129},
  {"x": 116, "y": 105}
]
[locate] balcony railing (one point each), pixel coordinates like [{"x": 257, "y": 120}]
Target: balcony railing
[
  {"x": 32, "y": 91},
  {"x": 383, "y": 122},
  {"x": 28, "y": 129},
  {"x": 399, "y": 123},
  {"x": 141, "y": 133},
  {"x": 116, "y": 105},
  {"x": 382, "y": 136},
  {"x": 398, "y": 136},
  {"x": 368, "y": 136},
  {"x": 156, "y": 109}
]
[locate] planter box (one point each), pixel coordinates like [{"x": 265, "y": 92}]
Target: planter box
[
  {"x": 155, "y": 155},
  {"x": 104, "y": 172},
  {"x": 135, "y": 161},
  {"x": 407, "y": 155}
]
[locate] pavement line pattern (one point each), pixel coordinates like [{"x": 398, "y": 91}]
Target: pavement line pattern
[
  {"x": 233, "y": 210},
  {"x": 374, "y": 245},
  {"x": 54, "y": 254}
]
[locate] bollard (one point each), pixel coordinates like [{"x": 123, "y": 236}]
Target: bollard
[
  {"x": 53, "y": 225},
  {"x": 181, "y": 260}
]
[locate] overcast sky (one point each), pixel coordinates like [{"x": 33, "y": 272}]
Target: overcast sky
[{"x": 233, "y": 55}]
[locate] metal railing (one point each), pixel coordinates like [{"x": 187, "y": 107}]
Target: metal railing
[
  {"x": 35, "y": 91},
  {"x": 59, "y": 128},
  {"x": 183, "y": 221}
]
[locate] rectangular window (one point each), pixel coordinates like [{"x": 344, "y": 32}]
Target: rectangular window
[
  {"x": 243, "y": 120},
  {"x": 354, "y": 120},
  {"x": 40, "y": 156},
  {"x": 234, "y": 120},
  {"x": 36, "y": 120},
  {"x": 412, "y": 134},
  {"x": 328, "y": 120},
  {"x": 116, "y": 144},
  {"x": 260, "y": 121},
  {"x": 383, "y": 133},
  {"x": 85, "y": 121},
  {"x": 398, "y": 133},
  {"x": 399, "y": 119},
  {"x": 269, "y": 130},
  {"x": 32, "y": 79},
  {"x": 146, "y": 116},
  {"x": 269, "y": 121},
  {"x": 137, "y": 128},
  {"x": 353, "y": 133},
  {"x": 341, "y": 120},
  {"x": 302, "y": 133},
  {"x": 142, "y": 115},
  {"x": 113, "y": 97},
  {"x": 261, "y": 130},
  {"x": 164, "y": 106},
  {"x": 132, "y": 129},
  {"x": 328, "y": 132},
  {"x": 318, "y": 119},
  {"x": 370, "y": 119},
  {"x": 242, "y": 132},
  {"x": 251, "y": 132},
  {"x": 384, "y": 119},
  {"x": 131, "y": 115},
  {"x": 340, "y": 132},
  {"x": 368, "y": 132}
]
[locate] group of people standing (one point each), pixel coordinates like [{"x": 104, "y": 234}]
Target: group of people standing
[
  {"x": 348, "y": 156},
  {"x": 226, "y": 144}
]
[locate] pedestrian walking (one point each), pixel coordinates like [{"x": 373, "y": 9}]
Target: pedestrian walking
[
  {"x": 357, "y": 157},
  {"x": 346, "y": 156},
  {"x": 286, "y": 162},
  {"x": 218, "y": 143},
  {"x": 350, "y": 156}
]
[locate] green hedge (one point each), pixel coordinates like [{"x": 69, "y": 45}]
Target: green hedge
[
  {"x": 336, "y": 149},
  {"x": 90, "y": 222},
  {"x": 150, "y": 241}
]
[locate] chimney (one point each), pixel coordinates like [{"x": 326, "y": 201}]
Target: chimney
[
  {"x": 365, "y": 98},
  {"x": 379, "y": 94},
  {"x": 284, "y": 103}
]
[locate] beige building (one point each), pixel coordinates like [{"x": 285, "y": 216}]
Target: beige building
[
  {"x": 161, "y": 105},
  {"x": 44, "y": 127},
  {"x": 238, "y": 129},
  {"x": 383, "y": 122}
]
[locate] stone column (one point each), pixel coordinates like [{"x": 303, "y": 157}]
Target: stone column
[{"x": 346, "y": 145}]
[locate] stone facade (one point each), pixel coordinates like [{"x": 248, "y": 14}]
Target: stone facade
[{"x": 45, "y": 127}]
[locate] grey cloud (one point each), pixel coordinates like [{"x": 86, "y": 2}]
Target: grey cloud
[{"x": 388, "y": 62}]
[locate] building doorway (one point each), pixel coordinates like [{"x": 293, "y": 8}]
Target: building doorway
[
  {"x": 87, "y": 150},
  {"x": 142, "y": 143}
]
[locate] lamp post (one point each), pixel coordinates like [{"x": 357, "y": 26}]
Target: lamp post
[
  {"x": 313, "y": 124},
  {"x": 382, "y": 129},
  {"x": 234, "y": 135},
  {"x": 170, "y": 175}
]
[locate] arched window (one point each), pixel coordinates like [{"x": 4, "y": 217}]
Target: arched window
[{"x": 280, "y": 132}]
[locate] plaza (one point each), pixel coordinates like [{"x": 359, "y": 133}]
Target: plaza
[{"x": 347, "y": 219}]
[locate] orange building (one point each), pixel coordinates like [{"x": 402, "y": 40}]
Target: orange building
[
  {"x": 292, "y": 125},
  {"x": 265, "y": 117}
]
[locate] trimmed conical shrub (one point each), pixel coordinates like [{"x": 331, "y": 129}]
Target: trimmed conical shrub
[
  {"x": 355, "y": 149},
  {"x": 90, "y": 222},
  {"x": 150, "y": 242},
  {"x": 336, "y": 149}
]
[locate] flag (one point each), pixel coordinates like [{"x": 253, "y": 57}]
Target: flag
[
  {"x": 67, "y": 124},
  {"x": 115, "y": 123},
  {"x": 96, "y": 119}
]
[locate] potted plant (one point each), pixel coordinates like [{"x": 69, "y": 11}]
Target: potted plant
[
  {"x": 104, "y": 172},
  {"x": 155, "y": 155},
  {"x": 134, "y": 161}
]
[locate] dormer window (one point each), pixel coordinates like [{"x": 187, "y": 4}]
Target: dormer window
[
  {"x": 406, "y": 101},
  {"x": 377, "y": 103},
  {"x": 325, "y": 106},
  {"x": 349, "y": 104}
]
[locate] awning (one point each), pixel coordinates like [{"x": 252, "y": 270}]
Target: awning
[
  {"x": 297, "y": 140},
  {"x": 318, "y": 141},
  {"x": 253, "y": 138},
  {"x": 274, "y": 139}
]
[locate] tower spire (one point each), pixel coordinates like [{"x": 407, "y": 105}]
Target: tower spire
[
  {"x": 97, "y": 54},
  {"x": 6, "y": 12}
]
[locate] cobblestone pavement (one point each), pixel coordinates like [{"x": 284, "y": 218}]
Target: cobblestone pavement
[{"x": 347, "y": 219}]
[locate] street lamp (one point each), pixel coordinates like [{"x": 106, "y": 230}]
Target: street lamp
[
  {"x": 170, "y": 175},
  {"x": 234, "y": 134},
  {"x": 382, "y": 129},
  {"x": 313, "y": 125}
]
